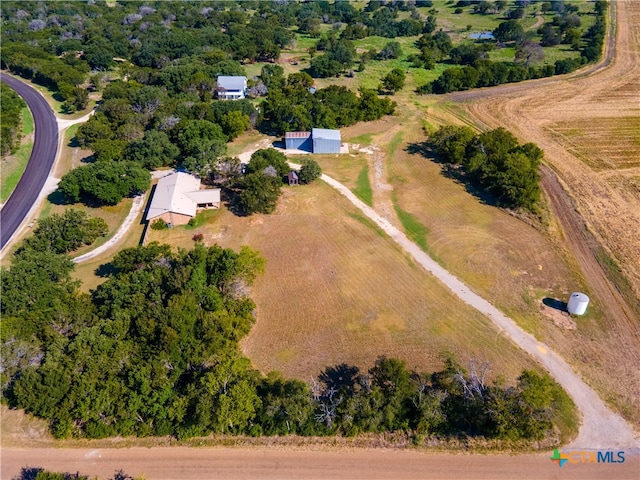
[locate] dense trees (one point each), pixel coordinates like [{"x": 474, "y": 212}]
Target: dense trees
[
  {"x": 104, "y": 183},
  {"x": 11, "y": 106},
  {"x": 295, "y": 108},
  {"x": 66, "y": 232},
  {"x": 495, "y": 161},
  {"x": 154, "y": 351}
]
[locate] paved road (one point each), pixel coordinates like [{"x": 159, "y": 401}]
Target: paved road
[{"x": 43, "y": 155}]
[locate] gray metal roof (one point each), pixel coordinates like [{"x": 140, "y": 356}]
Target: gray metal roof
[
  {"x": 232, "y": 83},
  {"x": 180, "y": 193},
  {"x": 325, "y": 134}
]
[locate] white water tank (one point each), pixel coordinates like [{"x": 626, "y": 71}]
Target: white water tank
[{"x": 578, "y": 303}]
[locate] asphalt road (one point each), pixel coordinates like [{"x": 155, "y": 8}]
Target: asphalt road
[{"x": 43, "y": 155}]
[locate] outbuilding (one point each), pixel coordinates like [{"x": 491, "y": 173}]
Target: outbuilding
[
  {"x": 292, "y": 178},
  {"x": 325, "y": 140},
  {"x": 298, "y": 141}
]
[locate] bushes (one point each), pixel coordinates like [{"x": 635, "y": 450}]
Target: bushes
[{"x": 159, "y": 224}]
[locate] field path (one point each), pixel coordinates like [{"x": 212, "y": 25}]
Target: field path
[{"x": 601, "y": 428}]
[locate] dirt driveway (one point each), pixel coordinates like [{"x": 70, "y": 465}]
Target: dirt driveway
[{"x": 260, "y": 463}]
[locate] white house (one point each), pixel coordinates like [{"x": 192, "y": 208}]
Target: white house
[
  {"x": 178, "y": 197},
  {"x": 231, "y": 88}
]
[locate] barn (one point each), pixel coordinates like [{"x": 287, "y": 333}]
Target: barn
[
  {"x": 298, "y": 141},
  {"x": 325, "y": 141}
]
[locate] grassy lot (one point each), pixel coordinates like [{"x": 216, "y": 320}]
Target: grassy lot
[
  {"x": 14, "y": 165},
  {"x": 336, "y": 290}
]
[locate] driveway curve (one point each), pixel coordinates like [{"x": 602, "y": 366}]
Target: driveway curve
[
  {"x": 43, "y": 155},
  {"x": 601, "y": 428}
]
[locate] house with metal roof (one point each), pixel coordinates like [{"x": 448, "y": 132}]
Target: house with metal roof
[
  {"x": 231, "y": 87},
  {"x": 178, "y": 197}
]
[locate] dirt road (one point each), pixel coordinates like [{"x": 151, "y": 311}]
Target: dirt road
[{"x": 260, "y": 463}]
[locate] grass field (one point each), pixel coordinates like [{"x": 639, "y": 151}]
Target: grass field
[
  {"x": 14, "y": 165},
  {"x": 363, "y": 187},
  {"x": 336, "y": 290}
]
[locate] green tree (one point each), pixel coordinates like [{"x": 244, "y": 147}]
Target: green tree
[
  {"x": 394, "y": 80},
  {"x": 266, "y": 157},
  {"x": 104, "y": 182},
  {"x": 451, "y": 142},
  {"x": 508, "y": 31},
  {"x": 97, "y": 128},
  {"x": 202, "y": 143},
  {"x": 64, "y": 233},
  {"x": 152, "y": 151},
  {"x": 390, "y": 50},
  {"x": 260, "y": 193},
  {"x": 310, "y": 171},
  {"x": 234, "y": 123}
]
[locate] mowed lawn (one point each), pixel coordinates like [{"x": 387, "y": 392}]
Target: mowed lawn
[{"x": 337, "y": 290}]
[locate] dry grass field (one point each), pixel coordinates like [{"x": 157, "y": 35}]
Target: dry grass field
[
  {"x": 588, "y": 128},
  {"x": 337, "y": 290}
]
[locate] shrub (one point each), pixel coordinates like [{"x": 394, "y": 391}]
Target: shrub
[
  {"x": 159, "y": 224},
  {"x": 198, "y": 237}
]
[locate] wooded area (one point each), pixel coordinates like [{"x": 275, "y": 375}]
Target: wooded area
[{"x": 11, "y": 106}]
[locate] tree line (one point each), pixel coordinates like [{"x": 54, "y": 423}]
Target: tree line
[
  {"x": 493, "y": 160},
  {"x": 478, "y": 71},
  {"x": 291, "y": 106},
  {"x": 154, "y": 350},
  {"x": 11, "y": 106}
]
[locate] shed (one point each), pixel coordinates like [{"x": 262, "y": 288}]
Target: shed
[
  {"x": 325, "y": 141},
  {"x": 292, "y": 177},
  {"x": 578, "y": 303},
  {"x": 297, "y": 141}
]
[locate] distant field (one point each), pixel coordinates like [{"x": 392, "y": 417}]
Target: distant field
[
  {"x": 609, "y": 143},
  {"x": 336, "y": 290}
]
